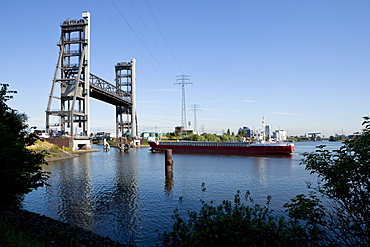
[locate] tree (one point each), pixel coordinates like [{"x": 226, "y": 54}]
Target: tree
[
  {"x": 211, "y": 137},
  {"x": 20, "y": 168},
  {"x": 242, "y": 133},
  {"x": 228, "y": 132},
  {"x": 195, "y": 137},
  {"x": 342, "y": 216},
  {"x": 225, "y": 137},
  {"x": 234, "y": 224}
]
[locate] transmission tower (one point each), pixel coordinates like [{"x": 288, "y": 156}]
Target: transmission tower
[
  {"x": 183, "y": 79},
  {"x": 195, "y": 108}
]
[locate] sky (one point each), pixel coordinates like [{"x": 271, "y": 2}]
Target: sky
[{"x": 303, "y": 66}]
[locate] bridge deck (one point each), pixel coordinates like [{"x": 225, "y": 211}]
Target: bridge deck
[{"x": 107, "y": 92}]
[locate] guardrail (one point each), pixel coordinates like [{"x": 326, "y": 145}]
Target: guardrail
[{"x": 100, "y": 83}]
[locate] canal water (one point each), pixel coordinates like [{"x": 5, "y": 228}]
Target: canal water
[{"x": 129, "y": 196}]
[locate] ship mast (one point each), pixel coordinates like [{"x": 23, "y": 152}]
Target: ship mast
[{"x": 263, "y": 129}]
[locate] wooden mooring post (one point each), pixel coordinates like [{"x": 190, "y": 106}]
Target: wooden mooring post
[{"x": 168, "y": 160}]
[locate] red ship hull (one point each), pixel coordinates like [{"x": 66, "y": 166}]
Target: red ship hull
[{"x": 238, "y": 148}]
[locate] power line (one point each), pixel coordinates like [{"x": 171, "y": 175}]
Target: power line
[
  {"x": 137, "y": 36},
  {"x": 151, "y": 36},
  {"x": 127, "y": 39},
  {"x": 162, "y": 34}
]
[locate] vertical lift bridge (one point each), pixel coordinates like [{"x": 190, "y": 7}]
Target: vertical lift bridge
[{"x": 73, "y": 85}]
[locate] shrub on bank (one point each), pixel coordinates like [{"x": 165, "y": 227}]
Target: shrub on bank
[
  {"x": 20, "y": 169},
  {"x": 343, "y": 219},
  {"x": 235, "y": 224},
  {"x": 67, "y": 149}
]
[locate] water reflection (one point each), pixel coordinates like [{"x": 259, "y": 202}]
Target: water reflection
[
  {"x": 127, "y": 196},
  {"x": 94, "y": 189},
  {"x": 72, "y": 192},
  {"x": 259, "y": 170},
  {"x": 168, "y": 182},
  {"x": 117, "y": 195}
]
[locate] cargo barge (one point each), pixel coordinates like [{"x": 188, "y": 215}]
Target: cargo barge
[{"x": 239, "y": 148}]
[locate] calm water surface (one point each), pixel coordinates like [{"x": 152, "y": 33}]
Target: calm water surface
[{"x": 127, "y": 196}]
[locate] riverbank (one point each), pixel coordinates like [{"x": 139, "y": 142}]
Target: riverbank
[
  {"x": 54, "y": 153},
  {"x": 47, "y": 232}
]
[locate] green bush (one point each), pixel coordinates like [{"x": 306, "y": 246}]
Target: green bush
[
  {"x": 234, "y": 224},
  {"x": 53, "y": 155},
  {"x": 55, "y": 148},
  {"x": 344, "y": 218},
  {"x": 20, "y": 169},
  {"x": 195, "y": 137},
  {"x": 67, "y": 149}
]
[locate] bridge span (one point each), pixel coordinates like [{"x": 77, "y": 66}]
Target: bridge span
[
  {"x": 73, "y": 85},
  {"x": 107, "y": 92}
]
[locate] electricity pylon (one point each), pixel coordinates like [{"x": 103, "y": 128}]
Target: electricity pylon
[
  {"x": 183, "y": 79},
  {"x": 195, "y": 108}
]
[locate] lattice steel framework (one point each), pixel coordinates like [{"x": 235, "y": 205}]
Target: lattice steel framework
[
  {"x": 195, "y": 108},
  {"x": 77, "y": 85},
  {"x": 183, "y": 83},
  {"x": 72, "y": 74},
  {"x": 126, "y": 118}
]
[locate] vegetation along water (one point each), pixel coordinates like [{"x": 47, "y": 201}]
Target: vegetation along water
[
  {"x": 127, "y": 196},
  {"x": 131, "y": 198}
]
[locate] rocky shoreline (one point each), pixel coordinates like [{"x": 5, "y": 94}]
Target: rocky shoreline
[{"x": 52, "y": 232}]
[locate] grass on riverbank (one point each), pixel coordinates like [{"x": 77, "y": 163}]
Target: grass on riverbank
[
  {"x": 52, "y": 150},
  {"x": 13, "y": 237},
  {"x": 13, "y": 233},
  {"x": 24, "y": 228}
]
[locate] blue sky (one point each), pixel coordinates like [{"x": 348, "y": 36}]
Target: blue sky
[{"x": 302, "y": 65}]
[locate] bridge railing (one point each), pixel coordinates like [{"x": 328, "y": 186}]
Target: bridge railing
[{"x": 108, "y": 87}]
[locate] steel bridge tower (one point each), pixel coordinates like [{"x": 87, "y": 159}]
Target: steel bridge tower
[
  {"x": 126, "y": 118},
  {"x": 73, "y": 85},
  {"x": 72, "y": 74}
]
